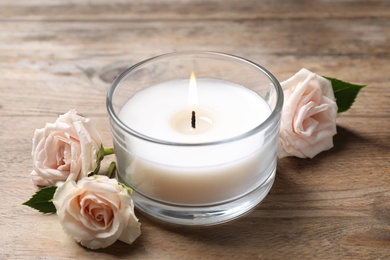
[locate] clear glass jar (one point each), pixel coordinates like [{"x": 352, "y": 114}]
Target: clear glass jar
[{"x": 202, "y": 176}]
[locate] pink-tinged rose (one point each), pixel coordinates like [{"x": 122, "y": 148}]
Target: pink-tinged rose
[
  {"x": 65, "y": 150},
  {"x": 309, "y": 114},
  {"x": 96, "y": 211}
]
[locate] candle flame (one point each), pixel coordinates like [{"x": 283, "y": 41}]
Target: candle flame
[{"x": 193, "y": 98}]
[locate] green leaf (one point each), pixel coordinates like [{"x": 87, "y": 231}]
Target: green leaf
[
  {"x": 42, "y": 200},
  {"x": 345, "y": 93}
]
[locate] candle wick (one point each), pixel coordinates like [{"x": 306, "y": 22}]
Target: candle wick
[{"x": 193, "y": 120}]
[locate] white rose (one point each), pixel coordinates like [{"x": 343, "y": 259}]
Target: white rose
[
  {"x": 65, "y": 150},
  {"x": 309, "y": 114},
  {"x": 96, "y": 212}
]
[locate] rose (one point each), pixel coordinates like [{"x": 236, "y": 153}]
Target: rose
[
  {"x": 308, "y": 121},
  {"x": 96, "y": 211},
  {"x": 65, "y": 150}
]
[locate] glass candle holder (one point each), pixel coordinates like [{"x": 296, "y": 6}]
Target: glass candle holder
[{"x": 195, "y": 135}]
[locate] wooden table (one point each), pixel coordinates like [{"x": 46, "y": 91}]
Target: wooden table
[{"x": 56, "y": 55}]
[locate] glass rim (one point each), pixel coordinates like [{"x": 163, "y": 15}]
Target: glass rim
[{"x": 275, "y": 112}]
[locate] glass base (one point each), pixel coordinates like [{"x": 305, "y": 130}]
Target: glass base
[{"x": 203, "y": 215}]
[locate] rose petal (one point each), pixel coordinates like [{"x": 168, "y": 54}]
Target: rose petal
[
  {"x": 96, "y": 211},
  {"x": 308, "y": 120},
  {"x": 65, "y": 150},
  {"x": 133, "y": 228}
]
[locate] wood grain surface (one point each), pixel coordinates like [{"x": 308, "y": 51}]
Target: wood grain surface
[{"x": 56, "y": 55}]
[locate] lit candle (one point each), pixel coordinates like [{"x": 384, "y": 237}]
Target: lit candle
[
  {"x": 196, "y": 151},
  {"x": 222, "y": 110}
]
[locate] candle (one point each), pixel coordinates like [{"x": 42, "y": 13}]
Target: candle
[
  {"x": 195, "y": 151},
  {"x": 224, "y": 110}
]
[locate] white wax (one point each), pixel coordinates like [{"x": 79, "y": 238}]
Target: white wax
[
  {"x": 195, "y": 174},
  {"x": 156, "y": 111}
]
